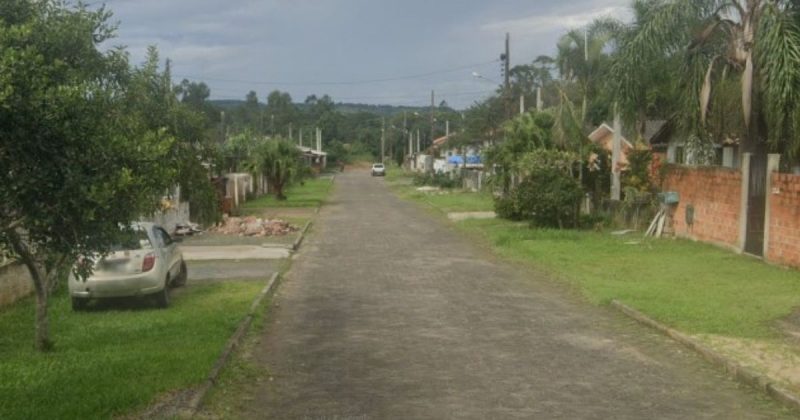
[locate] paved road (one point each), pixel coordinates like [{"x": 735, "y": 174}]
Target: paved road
[{"x": 388, "y": 313}]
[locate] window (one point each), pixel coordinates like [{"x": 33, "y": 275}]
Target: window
[{"x": 680, "y": 155}]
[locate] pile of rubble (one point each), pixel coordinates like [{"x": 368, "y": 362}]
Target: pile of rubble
[{"x": 253, "y": 226}]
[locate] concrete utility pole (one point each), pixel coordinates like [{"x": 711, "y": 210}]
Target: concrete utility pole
[
  {"x": 410, "y": 143},
  {"x": 383, "y": 138},
  {"x": 301, "y": 137},
  {"x": 616, "y": 148},
  {"x": 290, "y": 132},
  {"x": 521, "y": 104},
  {"x": 432, "y": 105},
  {"x": 539, "y": 103},
  {"x": 447, "y": 128},
  {"x": 506, "y": 57},
  {"x": 418, "y": 140}
]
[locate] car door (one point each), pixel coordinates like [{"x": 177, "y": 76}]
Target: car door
[{"x": 169, "y": 248}]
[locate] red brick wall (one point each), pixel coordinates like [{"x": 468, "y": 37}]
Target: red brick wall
[
  {"x": 715, "y": 194},
  {"x": 784, "y": 223}
]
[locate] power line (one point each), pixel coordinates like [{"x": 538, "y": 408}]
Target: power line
[{"x": 349, "y": 82}]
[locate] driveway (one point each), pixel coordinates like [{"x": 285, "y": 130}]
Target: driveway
[{"x": 389, "y": 313}]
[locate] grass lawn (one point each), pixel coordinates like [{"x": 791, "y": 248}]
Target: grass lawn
[
  {"x": 446, "y": 201},
  {"x": 114, "y": 360},
  {"x": 311, "y": 194},
  {"x": 695, "y": 287}
]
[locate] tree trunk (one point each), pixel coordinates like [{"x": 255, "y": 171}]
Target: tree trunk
[
  {"x": 279, "y": 191},
  {"x": 42, "y": 338}
]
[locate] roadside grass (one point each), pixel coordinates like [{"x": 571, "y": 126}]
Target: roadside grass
[
  {"x": 312, "y": 193},
  {"x": 695, "y": 287},
  {"x": 115, "y": 359},
  {"x": 445, "y": 201}
]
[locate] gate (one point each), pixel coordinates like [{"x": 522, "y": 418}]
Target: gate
[{"x": 756, "y": 205}]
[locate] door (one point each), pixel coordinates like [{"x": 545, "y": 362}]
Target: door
[
  {"x": 756, "y": 205},
  {"x": 170, "y": 256}
]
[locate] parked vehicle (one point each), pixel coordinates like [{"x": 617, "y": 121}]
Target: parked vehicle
[
  {"x": 378, "y": 169},
  {"x": 148, "y": 262}
]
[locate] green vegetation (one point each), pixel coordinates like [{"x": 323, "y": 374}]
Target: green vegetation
[
  {"x": 694, "y": 287},
  {"x": 311, "y": 193},
  {"x": 117, "y": 358}
]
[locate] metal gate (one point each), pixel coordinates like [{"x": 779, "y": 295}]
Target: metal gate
[{"x": 756, "y": 205}]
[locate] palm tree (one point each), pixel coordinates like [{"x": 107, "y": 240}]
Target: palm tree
[
  {"x": 582, "y": 57},
  {"x": 756, "y": 42},
  {"x": 279, "y": 161}
]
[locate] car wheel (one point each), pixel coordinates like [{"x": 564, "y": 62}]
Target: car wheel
[
  {"x": 162, "y": 297},
  {"x": 182, "y": 276},
  {"x": 79, "y": 304}
]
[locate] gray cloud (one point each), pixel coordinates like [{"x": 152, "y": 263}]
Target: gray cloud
[{"x": 304, "y": 42}]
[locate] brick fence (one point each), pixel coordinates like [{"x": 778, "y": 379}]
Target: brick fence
[
  {"x": 784, "y": 223},
  {"x": 715, "y": 195}
]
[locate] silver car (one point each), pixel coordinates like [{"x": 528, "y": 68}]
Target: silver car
[{"x": 148, "y": 262}]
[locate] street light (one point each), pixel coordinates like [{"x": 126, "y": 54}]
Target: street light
[{"x": 479, "y": 76}]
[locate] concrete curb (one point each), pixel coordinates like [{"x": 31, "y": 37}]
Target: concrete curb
[
  {"x": 299, "y": 240},
  {"x": 738, "y": 372},
  {"x": 196, "y": 401}
]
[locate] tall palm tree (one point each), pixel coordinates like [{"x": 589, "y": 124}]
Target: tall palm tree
[
  {"x": 582, "y": 57},
  {"x": 755, "y": 41}
]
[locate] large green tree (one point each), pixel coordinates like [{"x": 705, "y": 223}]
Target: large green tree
[
  {"x": 77, "y": 161},
  {"x": 752, "y": 43}
]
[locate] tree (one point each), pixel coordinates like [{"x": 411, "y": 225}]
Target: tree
[
  {"x": 755, "y": 42},
  {"x": 77, "y": 160},
  {"x": 279, "y": 161}
]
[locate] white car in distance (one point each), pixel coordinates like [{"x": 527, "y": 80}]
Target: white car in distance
[{"x": 378, "y": 169}]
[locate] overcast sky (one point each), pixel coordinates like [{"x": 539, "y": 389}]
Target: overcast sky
[{"x": 348, "y": 48}]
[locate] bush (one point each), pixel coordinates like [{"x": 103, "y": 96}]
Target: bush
[{"x": 547, "y": 198}]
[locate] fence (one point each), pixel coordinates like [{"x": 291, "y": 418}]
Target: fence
[{"x": 716, "y": 205}]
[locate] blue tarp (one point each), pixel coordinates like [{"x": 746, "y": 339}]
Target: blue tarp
[{"x": 458, "y": 160}]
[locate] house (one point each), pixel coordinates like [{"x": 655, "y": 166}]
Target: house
[
  {"x": 317, "y": 160},
  {"x": 603, "y": 136},
  {"x": 451, "y": 156},
  {"x": 668, "y": 147}
]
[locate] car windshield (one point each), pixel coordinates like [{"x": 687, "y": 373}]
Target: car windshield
[{"x": 377, "y": 166}]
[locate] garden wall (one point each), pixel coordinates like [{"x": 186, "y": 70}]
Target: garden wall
[
  {"x": 15, "y": 283},
  {"x": 784, "y": 223},
  {"x": 715, "y": 195}
]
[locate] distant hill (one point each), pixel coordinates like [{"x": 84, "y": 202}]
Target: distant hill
[{"x": 343, "y": 107}]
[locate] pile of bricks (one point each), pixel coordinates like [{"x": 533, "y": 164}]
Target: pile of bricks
[{"x": 253, "y": 226}]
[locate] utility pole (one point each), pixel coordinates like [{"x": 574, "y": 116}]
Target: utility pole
[
  {"x": 410, "y": 144},
  {"x": 539, "y": 104},
  {"x": 447, "y": 128},
  {"x": 521, "y": 104},
  {"x": 383, "y": 138},
  {"x": 301, "y": 137},
  {"x": 418, "y": 140},
  {"x": 290, "y": 132},
  {"x": 432, "y": 105},
  {"x": 506, "y": 57},
  {"x": 616, "y": 148}
]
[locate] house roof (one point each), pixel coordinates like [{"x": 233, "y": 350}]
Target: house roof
[
  {"x": 603, "y": 131},
  {"x": 440, "y": 141},
  {"x": 310, "y": 151}
]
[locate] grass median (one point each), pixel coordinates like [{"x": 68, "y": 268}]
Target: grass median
[{"x": 112, "y": 361}]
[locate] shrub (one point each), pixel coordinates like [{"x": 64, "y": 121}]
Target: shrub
[{"x": 547, "y": 198}]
